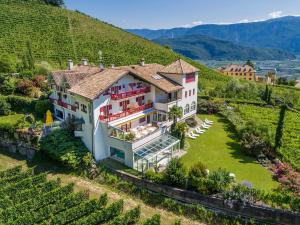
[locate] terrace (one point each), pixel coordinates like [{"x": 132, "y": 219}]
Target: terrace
[
  {"x": 132, "y": 93},
  {"x": 64, "y": 104},
  {"x": 109, "y": 118}
]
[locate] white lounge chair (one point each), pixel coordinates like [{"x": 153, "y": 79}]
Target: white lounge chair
[
  {"x": 190, "y": 136},
  {"x": 208, "y": 121},
  {"x": 199, "y": 130},
  {"x": 195, "y": 135},
  {"x": 205, "y": 126}
]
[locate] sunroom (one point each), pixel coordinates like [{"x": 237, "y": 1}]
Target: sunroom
[{"x": 156, "y": 154}]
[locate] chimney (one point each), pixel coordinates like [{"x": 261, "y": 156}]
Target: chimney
[
  {"x": 142, "y": 63},
  {"x": 85, "y": 62},
  {"x": 70, "y": 64}
]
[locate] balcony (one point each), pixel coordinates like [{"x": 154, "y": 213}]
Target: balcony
[
  {"x": 128, "y": 112},
  {"x": 63, "y": 104},
  {"x": 165, "y": 106},
  {"x": 129, "y": 94}
]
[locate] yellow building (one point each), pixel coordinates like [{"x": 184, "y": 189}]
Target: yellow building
[{"x": 244, "y": 72}]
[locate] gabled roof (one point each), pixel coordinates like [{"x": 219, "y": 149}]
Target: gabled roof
[
  {"x": 179, "y": 67},
  {"x": 94, "y": 85},
  {"x": 74, "y": 76},
  {"x": 149, "y": 73}
]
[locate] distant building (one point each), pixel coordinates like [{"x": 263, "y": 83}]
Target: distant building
[
  {"x": 243, "y": 72},
  {"x": 297, "y": 84}
]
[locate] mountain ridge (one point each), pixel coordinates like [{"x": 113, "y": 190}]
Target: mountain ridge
[
  {"x": 202, "y": 47},
  {"x": 280, "y": 33}
]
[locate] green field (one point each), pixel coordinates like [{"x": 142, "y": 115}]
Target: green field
[{"x": 219, "y": 148}]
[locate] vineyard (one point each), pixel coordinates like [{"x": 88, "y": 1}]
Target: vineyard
[
  {"x": 290, "y": 149},
  {"x": 28, "y": 198}
]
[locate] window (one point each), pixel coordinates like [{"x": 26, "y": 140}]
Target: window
[
  {"x": 187, "y": 109},
  {"x": 143, "y": 119},
  {"x": 190, "y": 92},
  {"x": 194, "y": 91},
  {"x": 83, "y": 108},
  {"x": 77, "y": 105},
  {"x": 186, "y": 94},
  {"x": 117, "y": 153},
  {"x": 59, "y": 114},
  {"x": 193, "y": 106},
  {"x": 190, "y": 78}
]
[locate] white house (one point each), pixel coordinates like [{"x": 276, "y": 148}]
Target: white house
[{"x": 122, "y": 112}]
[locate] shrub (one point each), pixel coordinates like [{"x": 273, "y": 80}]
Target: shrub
[
  {"x": 154, "y": 220},
  {"x": 4, "y": 107},
  {"x": 9, "y": 86},
  {"x": 42, "y": 106},
  {"x": 208, "y": 107},
  {"x": 244, "y": 195},
  {"x": 24, "y": 87},
  {"x": 153, "y": 176},
  {"x": 21, "y": 104},
  {"x": 196, "y": 173},
  {"x": 175, "y": 173},
  {"x": 252, "y": 144},
  {"x": 218, "y": 181},
  {"x": 62, "y": 146}
]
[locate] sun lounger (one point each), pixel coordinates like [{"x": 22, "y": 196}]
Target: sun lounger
[
  {"x": 205, "y": 126},
  {"x": 190, "y": 136},
  {"x": 195, "y": 135},
  {"x": 200, "y": 130},
  {"x": 208, "y": 121}
]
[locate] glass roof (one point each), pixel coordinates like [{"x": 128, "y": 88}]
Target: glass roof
[{"x": 156, "y": 146}]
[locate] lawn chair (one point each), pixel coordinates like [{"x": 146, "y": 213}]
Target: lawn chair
[
  {"x": 199, "y": 130},
  {"x": 208, "y": 121},
  {"x": 195, "y": 135},
  {"x": 190, "y": 136}
]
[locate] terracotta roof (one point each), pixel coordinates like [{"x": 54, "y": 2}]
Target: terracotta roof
[
  {"x": 94, "y": 85},
  {"x": 179, "y": 67},
  {"x": 149, "y": 73},
  {"x": 90, "y": 82},
  {"x": 238, "y": 68},
  {"x": 74, "y": 76}
]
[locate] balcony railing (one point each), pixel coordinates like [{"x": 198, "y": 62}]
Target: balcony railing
[
  {"x": 129, "y": 94},
  {"x": 128, "y": 112},
  {"x": 63, "y": 104}
]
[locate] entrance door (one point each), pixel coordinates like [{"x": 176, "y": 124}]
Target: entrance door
[{"x": 148, "y": 119}]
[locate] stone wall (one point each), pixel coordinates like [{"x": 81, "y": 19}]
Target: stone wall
[
  {"x": 14, "y": 147},
  {"x": 259, "y": 213}
]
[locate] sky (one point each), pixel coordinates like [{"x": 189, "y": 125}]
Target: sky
[{"x": 159, "y": 14}]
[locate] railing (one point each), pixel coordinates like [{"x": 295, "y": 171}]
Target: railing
[
  {"x": 128, "y": 112},
  {"x": 63, "y": 104},
  {"x": 129, "y": 94}
]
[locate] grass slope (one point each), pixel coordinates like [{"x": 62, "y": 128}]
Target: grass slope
[{"x": 218, "y": 148}]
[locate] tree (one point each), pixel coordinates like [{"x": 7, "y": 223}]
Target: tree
[
  {"x": 4, "y": 107},
  {"x": 196, "y": 173},
  {"x": 182, "y": 128},
  {"x": 175, "y": 173},
  {"x": 249, "y": 63},
  {"x": 280, "y": 126},
  {"x": 175, "y": 113},
  {"x": 58, "y": 3},
  {"x": 30, "y": 56}
]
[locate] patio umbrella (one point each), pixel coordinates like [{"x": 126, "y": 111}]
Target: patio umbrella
[{"x": 49, "y": 118}]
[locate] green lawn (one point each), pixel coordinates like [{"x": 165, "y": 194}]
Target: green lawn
[
  {"x": 218, "y": 148},
  {"x": 11, "y": 119}
]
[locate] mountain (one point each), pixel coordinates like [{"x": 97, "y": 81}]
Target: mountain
[
  {"x": 202, "y": 47},
  {"x": 281, "y": 33}
]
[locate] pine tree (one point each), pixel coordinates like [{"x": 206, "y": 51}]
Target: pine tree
[{"x": 30, "y": 56}]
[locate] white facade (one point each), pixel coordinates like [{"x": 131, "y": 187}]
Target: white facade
[{"x": 107, "y": 121}]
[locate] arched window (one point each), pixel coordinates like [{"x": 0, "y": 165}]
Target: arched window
[
  {"x": 193, "y": 106},
  {"x": 187, "y": 109}
]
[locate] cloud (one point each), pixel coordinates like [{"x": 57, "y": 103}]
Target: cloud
[
  {"x": 196, "y": 23},
  {"x": 275, "y": 14}
]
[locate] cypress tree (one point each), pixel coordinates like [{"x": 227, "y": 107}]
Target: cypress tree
[{"x": 280, "y": 126}]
